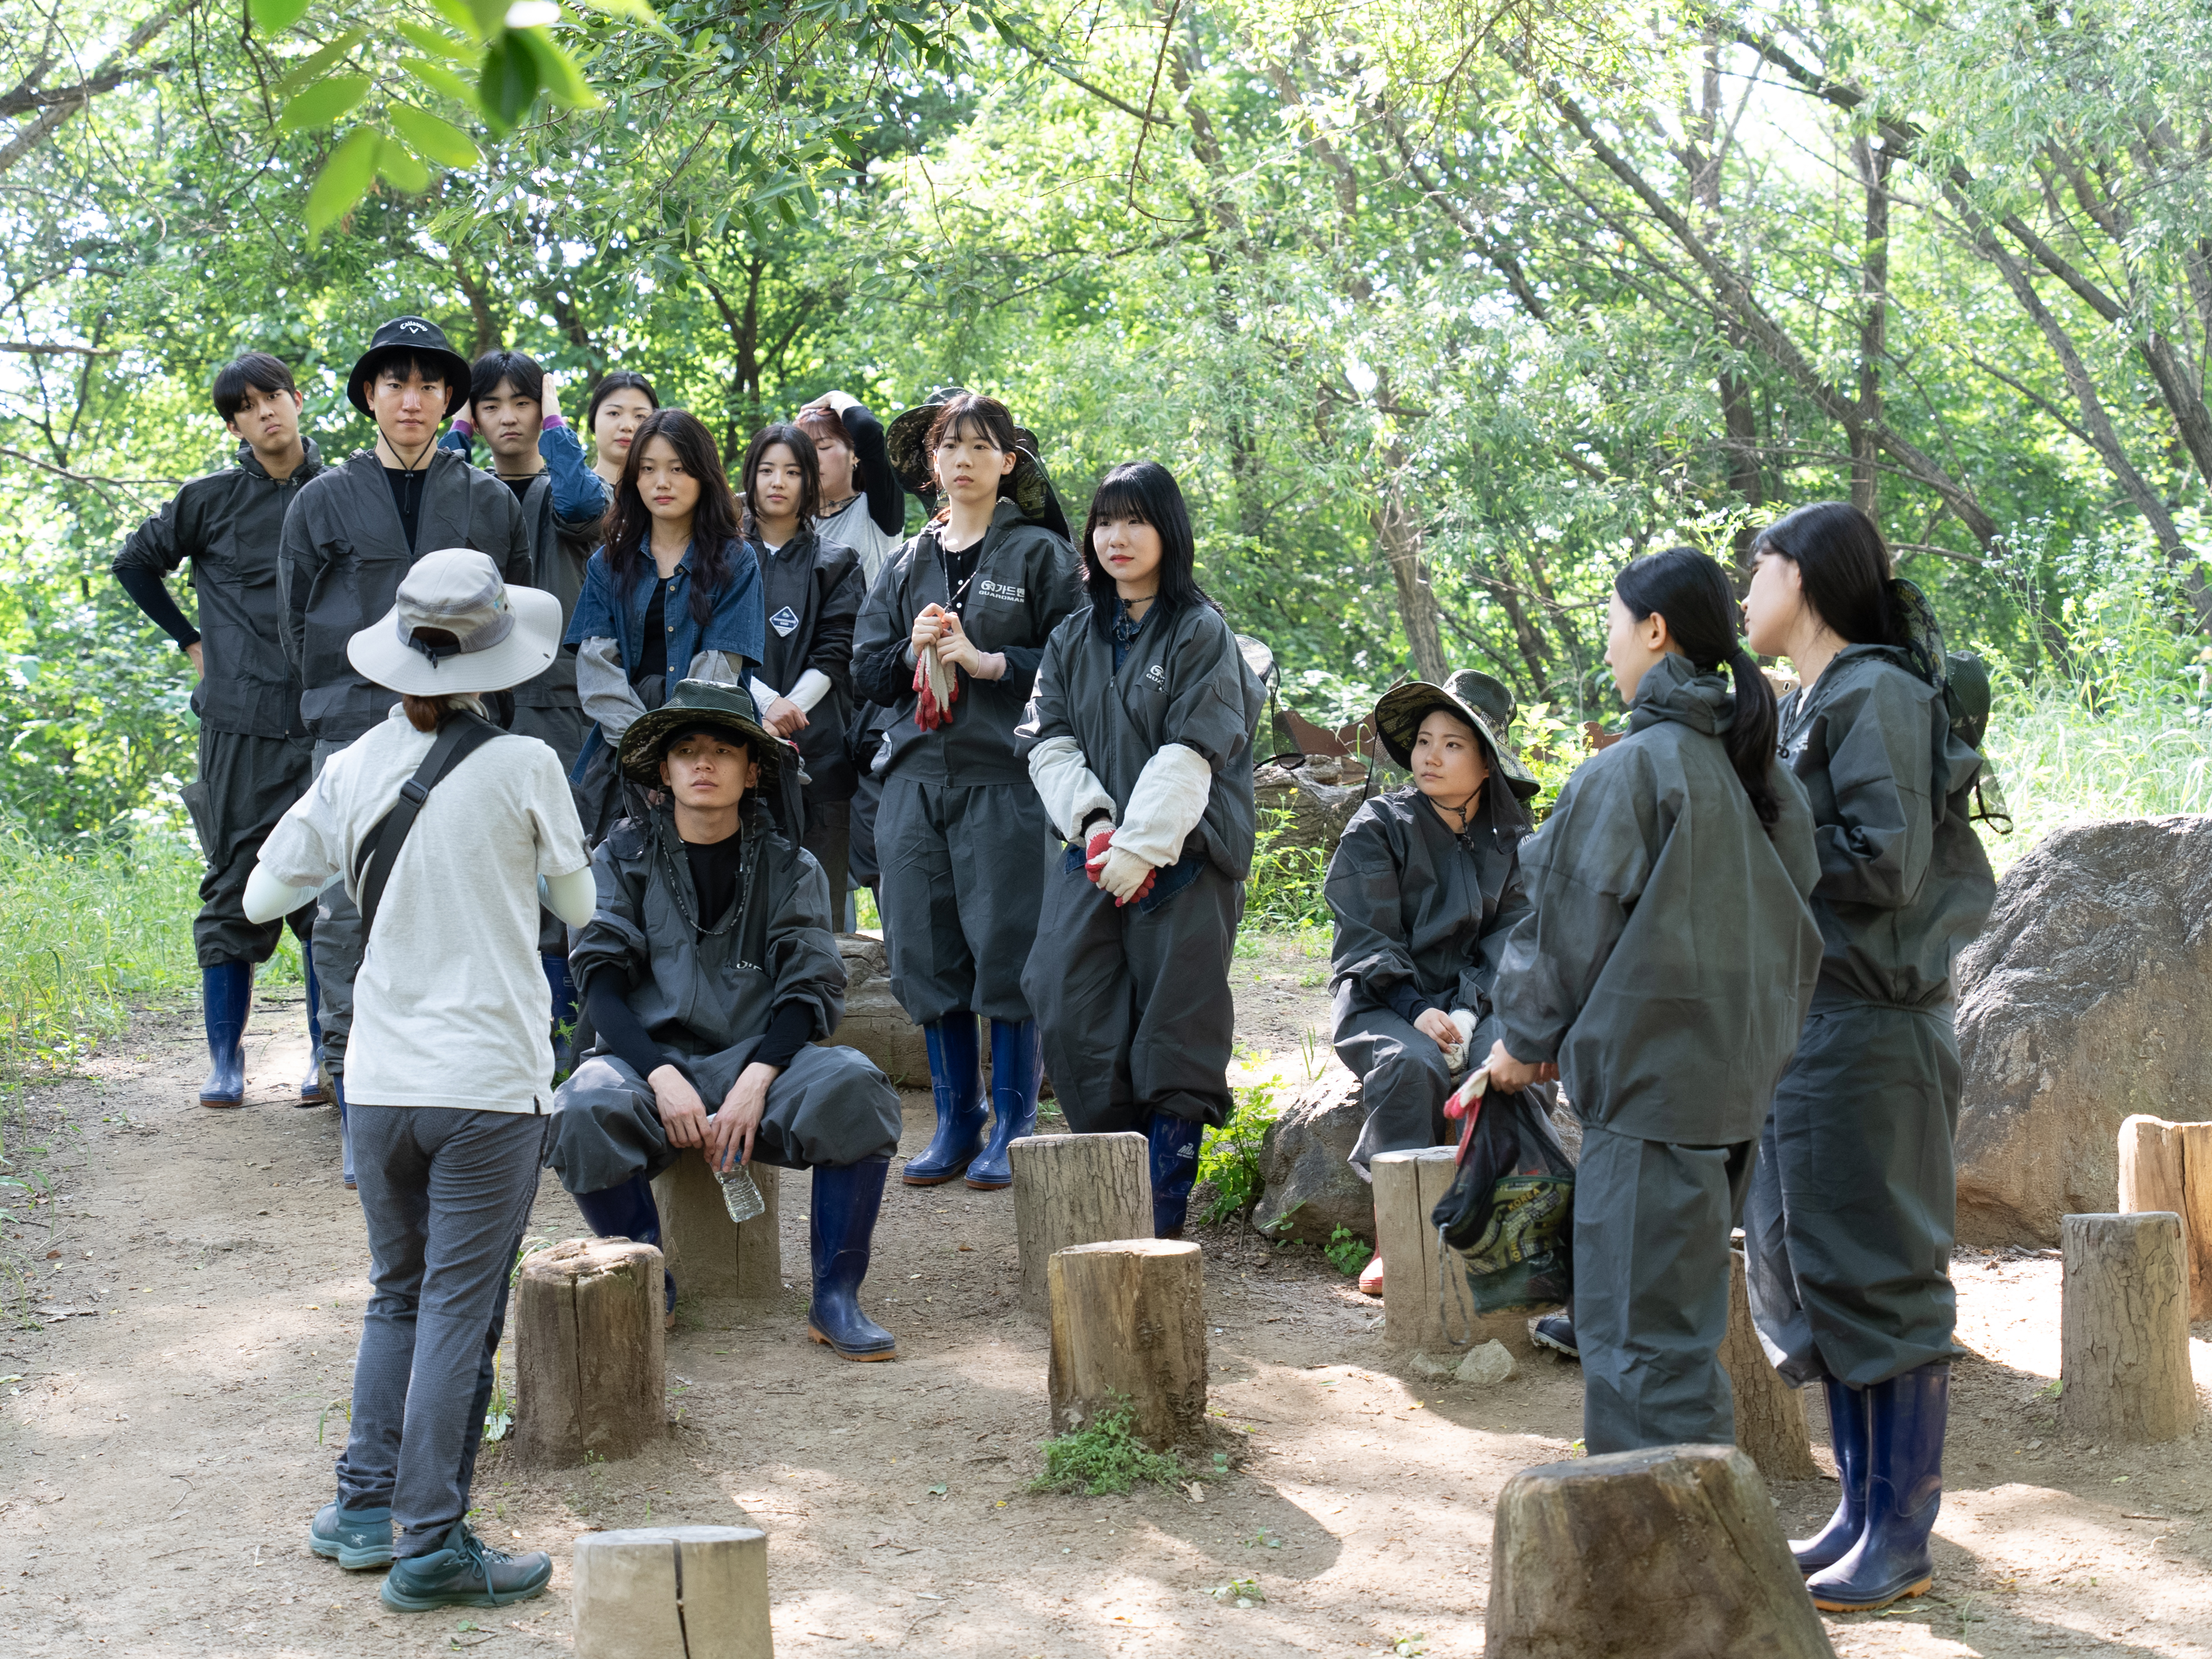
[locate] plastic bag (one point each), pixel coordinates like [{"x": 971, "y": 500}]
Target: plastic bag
[{"x": 1510, "y": 1211}]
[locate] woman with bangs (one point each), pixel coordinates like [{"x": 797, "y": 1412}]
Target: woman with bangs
[
  {"x": 950, "y": 640},
  {"x": 1139, "y": 737}
]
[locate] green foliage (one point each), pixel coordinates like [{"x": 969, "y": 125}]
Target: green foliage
[
  {"x": 1283, "y": 892},
  {"x": 1104, "y": 1456},
  {"x": 1346, "y": 1251},
  {"x": 1229, "y": 1156}
]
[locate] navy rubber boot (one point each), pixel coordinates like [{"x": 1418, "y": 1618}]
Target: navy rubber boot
[
  {"x": 313, "y": 1092},
  {"x": 354, "y": 1539},
  {"x": 1905, "y": 1418},
  {"x": 1848, "y": 1434},
  {"x": 1175, "y": 1143},
  {"x": 564, "y": 1013},
  {"x": 955, "y": 1078},
  {"x": 226, "y": 995},
  {"x": 628, "y": 1212},
  {"x": 1017, "y": 1069},
  {"x": 1557, "y": 1332},
  {"x": 345, "y": 1130},
  {"x": 841, "y": 1226}
]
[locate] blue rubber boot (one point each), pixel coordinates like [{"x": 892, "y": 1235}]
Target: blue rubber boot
[
  {"x": 1175, "y": 1143},
  {"x": 313, "y": 1092},
  {"x": 1017, "y": 1069},
  {"x": 1905, "y": 1418},
  {"x": 226, "y": 994},
  {"x": 628, "y": 1212},
  {"x": 354, "y": 1539},
  {"x": 842, "y": 1224},
  {"x": 564, "y": 1013},
  {"x": 1847, "y": 1432},
  {"x": 955, "y": 1076},
  {"x": 345, "y": 1130}
]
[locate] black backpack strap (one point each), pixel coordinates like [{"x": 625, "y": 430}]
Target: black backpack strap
[{"x": 461, "y": 736}]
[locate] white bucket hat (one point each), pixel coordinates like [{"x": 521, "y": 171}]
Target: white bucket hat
[{"x": 503, "y": 635}]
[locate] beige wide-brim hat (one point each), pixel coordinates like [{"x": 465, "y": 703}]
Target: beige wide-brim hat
[{"x": 501, "y": 635}]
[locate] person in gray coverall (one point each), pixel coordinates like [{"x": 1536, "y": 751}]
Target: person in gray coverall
[
  {"x": 709, "y": 970},
  {"x": 353, "y": 532},
  {"x": 950, "y": 640},
  {"x": 1664, "y": 972},
  {"x": 1851, "y": 1216},
  {"x": 254, "y": 757},
  {"x": 1139, "y": 737},
  {"x": 1424, "y": 887}
]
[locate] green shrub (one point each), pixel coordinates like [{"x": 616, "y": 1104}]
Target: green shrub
[
  {"x": 1346, "y": 1251},
  {"x": 1228, "y": 1158},
  {"x": 1104, "y": 1457},
  {"x": 1284, "y": 891}
]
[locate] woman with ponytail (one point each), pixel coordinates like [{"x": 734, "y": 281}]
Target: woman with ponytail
[
  {"x": 1849, "y": 1225},
  {"x": 1662, "y": 976}
]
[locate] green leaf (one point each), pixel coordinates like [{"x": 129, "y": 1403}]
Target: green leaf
[
  {"x": 274, "y": 17},
  {"x": 437, "y": 44},
  {"x": 490, "y": 17},
  {"x": 402, "y": 168},
  {"x": 638, "y": 11},
  {"x": 508, "y": 84},
  {"x": 433, "y": 140},
  {"x": 458, "y": 14},
  {"x": 556, "y": 71},
  {"x": 439, "y": 78},
  {"x": 323, "y": 102},
  {"x": 307, "y": 69},
  {"x": 344, "y": 180}
]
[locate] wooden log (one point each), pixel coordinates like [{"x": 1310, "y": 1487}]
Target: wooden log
[
  {"x": 590, "y": 1357},
  {"x": 1129, "y": 1322},
  {"x": 1770, "y": 1414},
  {"x": 1075, "y": 1189},
  {"x": 1407, "y": 1187},
  {"x": 2124, "y": 1328},
  {"x": 2168, "y": 1166},
  {"x": 710, "y": 1256},
  {"x": 683, "y": 1592},
  {"x": 1669, "y": 1553}
]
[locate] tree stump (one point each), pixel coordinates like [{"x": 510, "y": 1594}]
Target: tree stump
[
  {"x": 591, "y": 1358},
  {"x": 683, "y": 1592},
  {"x": 1129, "y": 1322},
  {"x": 709, "y": 1255},
  {"x": 1770, "y": 1414},
  {"x": 2124, "y": 1328},
  {"x": 2168, "y": 1166},
  {"x": 1669, "y": 1553},
  {"x": 1407, "y": 1187},
  {"x": 1075, "y": 1189}
]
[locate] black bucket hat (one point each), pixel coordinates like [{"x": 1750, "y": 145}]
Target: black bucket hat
[
  {"x": 1484, "y": 703},
  {"x": 1030, "y": 487},
  {"x": 693, "y": 705},
  {"x": 428, "y": 341}
]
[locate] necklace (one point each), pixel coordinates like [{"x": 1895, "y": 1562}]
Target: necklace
[{"x": 680, "y": 886}]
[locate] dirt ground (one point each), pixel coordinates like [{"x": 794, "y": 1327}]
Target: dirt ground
[{"x": 205, "y": 1394}]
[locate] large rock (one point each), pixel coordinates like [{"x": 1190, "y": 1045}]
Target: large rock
[
  {"x": 2084, "y": 1000},
  {"x": 874, "y": 1023},
  {"x": 1311, "y": 1187}
]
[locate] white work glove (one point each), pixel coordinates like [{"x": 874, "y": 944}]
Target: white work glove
[
  {"x": 1463, "y": 1022},
  {"x": 1124, "y": 875}
]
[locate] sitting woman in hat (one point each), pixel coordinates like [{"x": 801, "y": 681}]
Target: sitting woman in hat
[
  {"x": 1140, "y": 739},
  {"x": 1425, "y": 886},
  {"x": 709, "y": 969}
]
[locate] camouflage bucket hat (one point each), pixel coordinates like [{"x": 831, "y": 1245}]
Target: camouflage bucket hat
[{"x": 1485, "y": 704}]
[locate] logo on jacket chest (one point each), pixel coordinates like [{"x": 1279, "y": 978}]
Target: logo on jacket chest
[
  {"x": 990, "y": 590},
  {"x": 1156, "y": 677},
  {"x": 785, "y": 622}
]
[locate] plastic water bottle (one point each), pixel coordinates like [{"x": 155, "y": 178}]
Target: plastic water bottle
[{"x": 739, "y": 1195}]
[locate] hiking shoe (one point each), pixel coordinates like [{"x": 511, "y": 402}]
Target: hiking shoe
[
  {"x": 1557, "y": 1332},
  {"x": 467, "y": 1572},
  {"x": 354, "y": 1539}
]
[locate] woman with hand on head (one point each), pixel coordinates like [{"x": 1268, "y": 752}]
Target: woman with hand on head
[
  {"x": 616, "y": 407},
  {"x": 1139, "y": 737},
  {"x": 1425, "y": 886},
  {"x": 1663, "y": 971},
  {"x": 1849, "y": 1230},
  {"x": 863, "y": 504},
  {"x": 950, "y": 640},
  {"x": 673, "y": 594}
]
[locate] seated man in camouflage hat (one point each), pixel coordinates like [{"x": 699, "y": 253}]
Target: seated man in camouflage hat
[{"x": 709, "y": 969}]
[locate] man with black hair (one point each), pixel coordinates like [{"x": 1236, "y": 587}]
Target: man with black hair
[
  {"x": 254, "y": 752},
  {"x": 349, "y": 538},
  {"x": 514, "y": 407}
]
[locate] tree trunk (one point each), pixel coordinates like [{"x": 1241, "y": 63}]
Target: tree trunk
[
  {"x": 1075, "y": 1189},
  {"x": 1129, "y": 1323},
  {"x": 697, "y": 1592},
  {"x": 1398, "y": 536},
  {"x": 1770, "y": 1414},
  {"x": 2124, "y": 1328},
  {"x": 1873, "y": 162},
  {"x": 1414, "y": 1281},
  {"x": 591, "y": 1358},
  {"x": 2168, "y": 1166},
  {"x": 709, "y": 1255}
]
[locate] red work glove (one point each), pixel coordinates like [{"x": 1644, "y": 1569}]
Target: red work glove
[{"x": 1095, "y": 851}]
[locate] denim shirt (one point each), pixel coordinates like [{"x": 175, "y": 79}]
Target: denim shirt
[{"x": 739, "y": 624}]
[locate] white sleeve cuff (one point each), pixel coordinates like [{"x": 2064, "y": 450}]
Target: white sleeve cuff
[
  {"x": 1166, "y": 805},
  {"x": 813, "y": 686},
  {"x": 266, "y": 898},
  {"x": 763, "y": 695},
  {"x": 1065, "y": 783}
]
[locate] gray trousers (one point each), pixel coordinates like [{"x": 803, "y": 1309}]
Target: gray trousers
[
  {"x": 1652, "y": 1220},
  {"x": 1132, "y": 1007},
  {"x": 446, "y": 1194},
  {"x": 1403, "y": 1080},
  {"x": 1854, "y": 1206},
  {"x": 246, "y": 784},
  {"x": 830, "y": 1106},
  {"x": 829, "y": 837},
  {"x": 964, "y": 872}
]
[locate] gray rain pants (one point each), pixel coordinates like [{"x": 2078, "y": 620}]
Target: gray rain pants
[
  {"x": 246, "y": 784},
  {"x": 1652, "y": 1220},
  {"x": 964, "y": 872},
  {"x": 1403, "y": 1080}
]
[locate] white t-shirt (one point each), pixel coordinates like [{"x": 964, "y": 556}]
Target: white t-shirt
[
  {"x": 851, "y": 526},
  {"x": 451, "y": 1006}
]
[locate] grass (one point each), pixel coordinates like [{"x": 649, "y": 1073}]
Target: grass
[
  {"x": 1228, "y": 1158},
  {"x": 1104, "y": 1457}
]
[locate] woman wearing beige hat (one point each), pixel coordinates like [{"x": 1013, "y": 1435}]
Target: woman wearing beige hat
[{"x": 445, "y": 831}]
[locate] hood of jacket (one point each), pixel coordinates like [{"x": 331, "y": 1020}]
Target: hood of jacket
[
  {"x": 1673, "y": 689},
  {"x": 311, "y": 461}
]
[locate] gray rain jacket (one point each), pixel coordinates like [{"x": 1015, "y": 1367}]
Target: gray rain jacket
[
  {"x": 811, "y": 590},
  {"x": 1671, "y": 955},
  {"x": 698, "y": 993}
]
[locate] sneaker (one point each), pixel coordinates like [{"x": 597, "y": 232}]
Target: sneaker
[
  {"x": 354, "y": 1539},
  {"x": 467, "y": 1572},
  {"x": 1557, "y": 1332}
]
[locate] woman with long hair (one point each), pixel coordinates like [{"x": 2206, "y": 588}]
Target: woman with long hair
[
  {"x": 1661, "y": 975},
  {"x": 1138, "y": 736},
  {"x": 615, "y": 409},
  {"x": 672, "y": 594},
  {"x": 1852, "y": 1211},
  {"x": 950, "y": 640}
]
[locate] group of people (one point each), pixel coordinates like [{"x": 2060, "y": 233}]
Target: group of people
[{"x": 565, "y": 770}]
